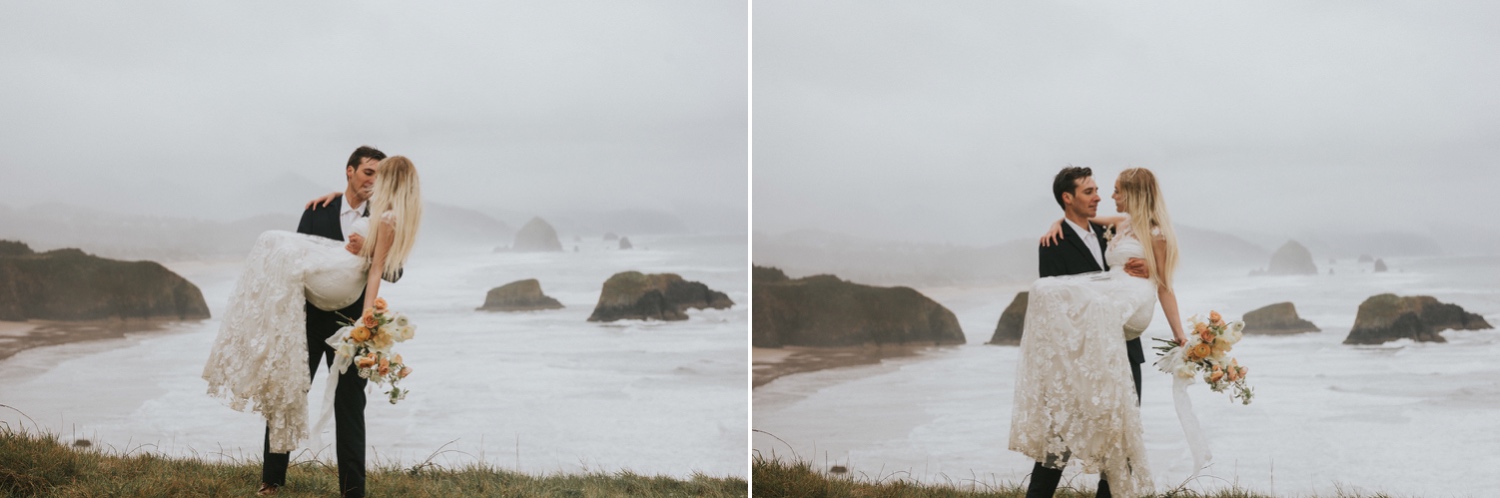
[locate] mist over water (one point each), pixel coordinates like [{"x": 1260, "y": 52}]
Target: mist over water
[
  {"x": 537, "y": 391},
  {"x": 1388, "y": 418}
]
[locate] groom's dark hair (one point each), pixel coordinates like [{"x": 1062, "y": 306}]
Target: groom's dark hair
[
  {"x": 1067, "y": 181},
  {"x": 364, "y": 151}
]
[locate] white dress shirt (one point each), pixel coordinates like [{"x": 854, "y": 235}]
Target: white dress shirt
[
  {"x": 348, "y": 216},
  {"x": 1090, "y": 241}
]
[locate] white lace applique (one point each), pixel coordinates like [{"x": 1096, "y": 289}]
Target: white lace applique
[
  {"x": 259, "y": 359},
  {"x": 1075, "y": 401}
]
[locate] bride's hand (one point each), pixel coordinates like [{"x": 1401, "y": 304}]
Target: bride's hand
[
  {"x": 324, "y": 199},
  {"x": 1136, "y": 267},
  {"x": 1054, "y": 235},
  {"x": 1181, "y": 339}
]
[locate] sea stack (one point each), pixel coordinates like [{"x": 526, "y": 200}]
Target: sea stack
[
  {"x": 66, "y": 284},
  {"x": 1277, "y": 319},
  {"x": 1292, "y": 259},
  {"x": 1388, "y": 317},
  {"x": 657, "y": 296},
  {"x": 521, "y": 295},
  {"x": 537, "y": 236},
  {"x": 1012, "y": 320},
  {"x": 822, "y": 310}
]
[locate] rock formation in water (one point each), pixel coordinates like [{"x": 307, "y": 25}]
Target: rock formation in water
[
  {"x": 521, "y": 295},
  {"x": 537, "y": 236},
  {"x": 1292, "y": 259},
  {"x": 822, "y": 310},
  {"x": 1388, "y": 317},
  {"x": 656, "y": 296},
  {"x": 1380, "y": 266},
  {"x": 67, "y": 284},
  {"x": 1008, "y": 331},
  {"x": 625, "y": 243},
  {"x": 1277, "y": 319}
]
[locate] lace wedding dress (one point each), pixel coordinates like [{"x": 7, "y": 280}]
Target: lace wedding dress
[
  {"x": 259, "y": 360},
  {"x": 1075, "y": 400}
]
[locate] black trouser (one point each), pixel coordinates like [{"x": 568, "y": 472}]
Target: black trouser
[{"x": 348, "y": 410}]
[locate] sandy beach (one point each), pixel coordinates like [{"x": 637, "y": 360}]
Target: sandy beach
[
  {"x": 768, "y": 364},
  {"x": 20, "y": 336}
]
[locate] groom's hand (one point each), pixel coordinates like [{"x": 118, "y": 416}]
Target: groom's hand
[
  {"x": 1136, "y": 267},
  {"x": 356, "y": 242}
]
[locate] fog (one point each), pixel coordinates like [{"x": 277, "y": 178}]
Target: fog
[
  {"x": 569, "y": 110},
  {"x": 945, "y": 123}
]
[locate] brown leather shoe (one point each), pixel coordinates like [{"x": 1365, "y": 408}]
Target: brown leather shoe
[{"x": 268, "y": 490}]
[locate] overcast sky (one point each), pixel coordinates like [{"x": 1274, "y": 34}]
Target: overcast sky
[
  {"x": 946, "y": 121},
  {"x": 526, "y": 106}
]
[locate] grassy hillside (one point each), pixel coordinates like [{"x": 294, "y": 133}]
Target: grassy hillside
[{"x": 42, "y": 466}]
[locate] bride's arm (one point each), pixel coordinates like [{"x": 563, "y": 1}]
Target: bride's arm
[
  {"x": 324, "y": 200},
  {"x": 1054, "y": 234},
  {"x": 383, "y": 241},
  {"x": 1166, "y": 296},
  {"x": 1107, "y": 221}
]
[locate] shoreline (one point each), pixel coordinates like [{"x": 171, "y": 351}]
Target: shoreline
[
  {"x": 769, "y": 364},
  {"x": 16, "y": 337}
]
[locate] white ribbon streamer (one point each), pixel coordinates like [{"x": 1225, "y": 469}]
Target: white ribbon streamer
[
  {"x": 1197, "y": 442},
  {"x": 341, "y": 362},
  {"x": 1175, "y": 365}
]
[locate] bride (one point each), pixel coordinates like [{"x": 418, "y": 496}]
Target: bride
[
  {"x": 259, "y": 360},
  {"x": 1075, "y": 401}
]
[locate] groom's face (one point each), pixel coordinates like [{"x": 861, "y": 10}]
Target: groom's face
[
  {"x": 362, "y": 178},
  {"x": 1084, "y": 199}
]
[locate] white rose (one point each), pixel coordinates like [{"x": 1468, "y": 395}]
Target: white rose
[
  {"x": 1186, "y": 370},
  {"x": 401, "y": 321},
  {"x": 1234, "y": 333}
]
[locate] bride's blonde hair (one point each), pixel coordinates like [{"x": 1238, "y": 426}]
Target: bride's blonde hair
[
  {"x": 1147, "y": 210},
  {"x": 398, "y": 191}
]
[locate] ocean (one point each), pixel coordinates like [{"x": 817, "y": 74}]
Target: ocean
[
  {"x": 540, "y": 392},
  {"x": 1404, "y": 418}
]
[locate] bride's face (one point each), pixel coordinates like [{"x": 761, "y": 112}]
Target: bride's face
[{"x": 1118, "y": 197}]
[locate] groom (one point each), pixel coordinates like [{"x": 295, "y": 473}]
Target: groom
[
  {"x": 335, "y": 220},
  {"x": 1081, "y": 250}
]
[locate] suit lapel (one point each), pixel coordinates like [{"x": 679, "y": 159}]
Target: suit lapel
[{"x": 1077, "y": 241}]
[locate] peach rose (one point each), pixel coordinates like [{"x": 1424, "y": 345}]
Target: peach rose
[
  {"x": 365, "y": 362},
  {"x": 1200, "y": 327},
  {"x": 1244, "y": 371},
  {"x": 380, "y": 304},
  {"x": 404, "y": 372},
  {"x": 1200, "y": 351},
  {"x": 382, "y": 339},
  {"x": 397, "y": 359},
  {"x": 360, "y": 334},
  {"x": 1213, "y": 316},
  {"x": 1206, "y": 335},
  {"x": 385, "y": 370},
  {"x": 369, "y": 319},
  {"x": 1218, "y": 374}
]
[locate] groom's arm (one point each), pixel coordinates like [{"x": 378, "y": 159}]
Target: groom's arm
[
  {"x": 1048, "y": 262},
  {"x": 306, "y": 224}
]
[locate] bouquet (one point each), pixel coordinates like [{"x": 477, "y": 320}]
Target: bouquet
[
  {"x": 369, "y": 340},
  {"x": 1205, "y": 353}
]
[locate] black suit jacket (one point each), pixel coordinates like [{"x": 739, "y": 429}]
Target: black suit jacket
[
  {"x": 1071, "y": 257},
  {"x": 324, "y": 222}
]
